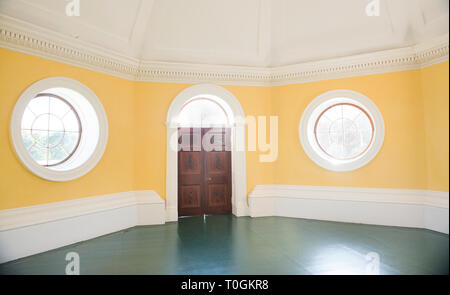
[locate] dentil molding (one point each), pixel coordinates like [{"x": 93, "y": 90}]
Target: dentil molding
[{"x": 53, "y": 46}]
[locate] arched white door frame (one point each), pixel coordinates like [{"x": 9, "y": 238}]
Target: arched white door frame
[{"x": 238, "y": 164}]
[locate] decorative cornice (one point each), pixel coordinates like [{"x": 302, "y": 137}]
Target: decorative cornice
[
  {"x": 66, "y": 53},
  {"x": 432, "y": 53},
  {"x": 395, "y": 60},
  {"x": 65, "y": 50},
  {"x": 197, "y": 73}
]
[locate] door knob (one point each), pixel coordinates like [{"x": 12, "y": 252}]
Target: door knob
[{"x": 209, "y": 178}]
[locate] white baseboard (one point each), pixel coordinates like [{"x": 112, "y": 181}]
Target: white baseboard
[
  {"x": 240, "y": 210},
  {"x": 407, "y": 208},
  {"x": 171, "y": 214},
  {"x": 35, "y": 229},
  {"x": 30, "y": 230}
]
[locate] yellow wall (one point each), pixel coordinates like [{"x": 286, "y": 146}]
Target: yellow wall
[
  {"x": 115, "y": 171},
  {"x": 135, "y": 155},
  {"x": 410, "y": 102},
  {"x": 435, "y": 92},
  {"x": 400, "y": 162}
]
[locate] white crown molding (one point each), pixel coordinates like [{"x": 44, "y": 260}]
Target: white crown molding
[
  {"x": 394, "y": 60},
  {"x": 202, "y": 73},
  {"x": 29, "y": 39}
]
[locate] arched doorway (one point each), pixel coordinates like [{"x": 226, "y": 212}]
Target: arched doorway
[{"x": 227, "y": 113}]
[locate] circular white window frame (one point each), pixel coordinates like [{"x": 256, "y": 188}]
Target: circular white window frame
[
  {"x": 59, "y": 173},
  {"x": 316, "y": 107}
]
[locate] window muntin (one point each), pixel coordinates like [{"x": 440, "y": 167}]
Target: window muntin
[
  {"x": 51, "y": 129},
  {"x": 344, "y": 131}
]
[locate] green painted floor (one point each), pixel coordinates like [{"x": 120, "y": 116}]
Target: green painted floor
[{"x": 224, "y": 244}]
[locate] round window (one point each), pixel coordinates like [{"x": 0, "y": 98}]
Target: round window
[
  {"x": 341, "y": 130},
  {"x": 59, "y": 129}
]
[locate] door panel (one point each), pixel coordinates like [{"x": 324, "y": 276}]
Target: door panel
[
  {"x": 190, "y": 196},
  {"x": 217, "y": 175},
  {"x": 204, "y": 176},
  {"x": 217, "y": 195},
  {"x": 190, "y": 173},
  {"x": 216, "y": 162},
  {"x": 190, "y": 163}
]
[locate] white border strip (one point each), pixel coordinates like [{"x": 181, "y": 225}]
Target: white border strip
[
  {"x": 37, "y": 214},
  {"x": 393, "y": 207},
  {"x": 16, "y": 35},
  {"x": 35, "y": 229},
  {"x": 336, "y": 193}
]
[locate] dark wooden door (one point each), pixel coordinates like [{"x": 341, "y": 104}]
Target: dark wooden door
[{"x": 204, "y": 171}]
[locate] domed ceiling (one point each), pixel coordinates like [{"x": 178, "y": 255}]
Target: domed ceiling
[{"x": 245, "y": 33}]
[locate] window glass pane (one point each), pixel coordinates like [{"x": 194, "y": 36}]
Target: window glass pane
[
  {"x": 55, "y": 138},
  {"x": 202, "y": 112},
  {"x": 39, "y": 105},
  {"x": 363, "y": 123},
  {"x": 70, "y": 141},
  {"x": 70, "y": 122},
  {"x": 27, "y": 119},
  {"x": 323, "y": 125},
  {"x": 324, "y": 140},
  {"x": 55, "y": 124},
  {"x": 41, "y": 122},
  {"x": 50, "y": 129},
  {"x": 366, "y": 137},
  {"x": 39, "y": 154},
  {"x": 344, "y": 131},
  {"x": 351, "y": 112},
  {"x": 336, "y": 150},
  {"x": 58, "y": 107},
  {"x": 56, "y": 155},
  {"x": 40, "y": 137},
  {"x": 28, "y": 141},
  {"x": 333, "y": 113}
]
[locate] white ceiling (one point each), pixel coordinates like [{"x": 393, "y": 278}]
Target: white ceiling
[{"x": 263, "y": 33}]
